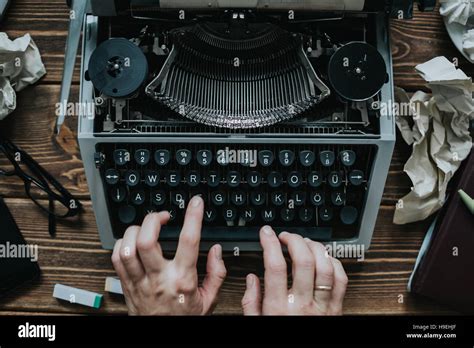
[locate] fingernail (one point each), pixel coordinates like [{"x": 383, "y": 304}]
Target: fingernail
[
  {"x": 218, "y": 251},
  {"x": 307, "y": 240},
  {"x": 196, "y": 201},
  {"x": 250, "y": 281},
  {"x": 268, "y": 231}
]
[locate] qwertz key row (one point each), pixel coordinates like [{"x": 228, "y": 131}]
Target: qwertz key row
[{"x": 317, "y": 191}]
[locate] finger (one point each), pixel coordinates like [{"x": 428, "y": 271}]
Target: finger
[
  {"x": 214, "y": 279},
  {"x": 276, "y": 282},
  {"x": 303, "y": 265},
  {"x": 147, "y": 242},
  {"x": 188, "y": 247},
  {"x": 324, "y": 273},
  {"x": 117, "y": 262},
  {"x": 252, "y": 300},
  {"x": 339, "y": 288},
  {"x": 129, "y": 256}
]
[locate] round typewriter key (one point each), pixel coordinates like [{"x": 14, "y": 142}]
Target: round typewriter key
[
  {"x": 305, "y": 214},
  {"x": 257, "y": 198},
  {"x": 275, "y": 179},
  {"x": 287, "y": 215},
  {"x": 335, "y": 179},
  {"x": 152, "y": 178},
  {"x": 138, "y": 197},
  {"x": 286, "y": 157},
  {"x": 183, "y": 157},
  {"x": 298, "y": 198},
  {"x": 268, "y": 215},
  {"x": 265, "y": 158},
  {"x": 327, "y": 158},
  {"x": 238, "y": 198},
  {"x": 121, "y": 157},
  {"x": 317, "y": 198},
  {"x": 118, "y": 194},
  {"x": 173, "y": 179},
  {"x": 142, "y": 157},
  {"x": 162, "y": 157},
  {"x": 278, "y": 198},
  {"x": 233, "y": 179},
  {"x": 218, "y": 198},
  {"x": 248, "y": 215},
  {"x": 348, "y": 157},
  {"x": 230, "y": 214},
  {"x": 178, "y": 199},
  {"x": 213, "y": 179},
  {"x": 132, "y": 178},
  {"x": 127, "y": 214},
  {"x": 307, "y": 158},
  {"x": 326, "y": 214},
  {"x": 204, "y": 157},
  {"x": 254, "y": 179},
  {"x": 356, "y": 177},
  {"x": 112, "y": 176},
  {"x": 117, "y": 68},
  {"x": 338, "y": 198},
  {"x": 357, "y": 71},
  {"x": 193, "y": 178},
  {"x": 315, "y": 179},
  {"x": 349, "y": 215},
  {"x": 210, "y": 215},
  {"x": 158, "y": 198},
  {"x": 295, "y": 179}
]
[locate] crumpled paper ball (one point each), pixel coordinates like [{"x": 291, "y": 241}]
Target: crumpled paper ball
[{"x": 457, "y": 11}]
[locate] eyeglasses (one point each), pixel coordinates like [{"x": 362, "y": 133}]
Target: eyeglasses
[{"x": 40, "y": 186}]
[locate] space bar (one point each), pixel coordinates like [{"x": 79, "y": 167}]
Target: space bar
[{"x": 171, "y": 233}]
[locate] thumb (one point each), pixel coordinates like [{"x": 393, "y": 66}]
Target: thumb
[
  {"x": 252, "y": 300},
  {"x": 216, "y": 273}
]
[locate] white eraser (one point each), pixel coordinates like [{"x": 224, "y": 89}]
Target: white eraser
[
  {"x": 74, "y": 295},
  {"x": 113, "y": 285}
]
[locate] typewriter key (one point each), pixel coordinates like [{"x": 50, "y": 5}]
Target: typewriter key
[
  {"x": 117, "y": 68},
  {"x": 357, "y": 71}
]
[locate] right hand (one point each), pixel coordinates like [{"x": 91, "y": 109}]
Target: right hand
[{"x": 319, "y": 281}]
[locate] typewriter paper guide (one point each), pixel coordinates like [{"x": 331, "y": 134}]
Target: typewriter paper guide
[{"x": 321, "y": 5}]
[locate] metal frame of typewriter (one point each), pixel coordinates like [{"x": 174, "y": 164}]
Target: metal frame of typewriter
[{"x": 88, "y": 140}]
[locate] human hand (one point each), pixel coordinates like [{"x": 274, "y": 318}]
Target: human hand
[
  {"x": 319, "y": 281},
  {"x": 153, "y": 285}
]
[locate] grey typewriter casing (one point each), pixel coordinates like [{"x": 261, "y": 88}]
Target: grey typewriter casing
[{"x": 384, "y": 141}]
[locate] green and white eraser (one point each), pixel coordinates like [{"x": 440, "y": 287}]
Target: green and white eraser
[
  {"x": 113, "y": 285},
  {"x": 79, "y": 296}
]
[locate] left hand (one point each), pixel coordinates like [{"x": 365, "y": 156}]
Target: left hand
[{"x": 153, "y": 285}]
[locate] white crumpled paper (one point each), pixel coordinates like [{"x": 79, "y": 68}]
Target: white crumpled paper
[
  {"x": 457, "y": 11},
  {"x": 20, "y": 66},
  {"x": 468, "y": 43},
  {"x": 439, "y": 133}
]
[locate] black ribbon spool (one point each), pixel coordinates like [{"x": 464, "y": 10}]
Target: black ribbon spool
[
  {"x": 117, "y": 68},
  {"x": 357, "y": 71}
]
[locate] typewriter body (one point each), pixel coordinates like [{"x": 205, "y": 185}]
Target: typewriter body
[{"x": 270, "y": 110}]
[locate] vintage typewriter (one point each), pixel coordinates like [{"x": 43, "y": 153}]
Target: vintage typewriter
[{"x": 270, "y": 110}]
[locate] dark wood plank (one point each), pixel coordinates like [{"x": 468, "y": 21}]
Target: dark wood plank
[{"x": 417, "y": 41}]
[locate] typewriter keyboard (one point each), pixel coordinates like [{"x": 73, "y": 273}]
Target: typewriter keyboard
[{"x": 318, "y": 191}]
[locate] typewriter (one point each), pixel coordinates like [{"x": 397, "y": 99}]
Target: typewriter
[{"x": 271, "y": 110}]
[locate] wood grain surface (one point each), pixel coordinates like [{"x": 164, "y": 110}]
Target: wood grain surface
[{"x": 75, "y": 256}]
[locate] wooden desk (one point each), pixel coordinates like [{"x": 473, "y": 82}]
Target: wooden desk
[{"x": 75, "y": 256}]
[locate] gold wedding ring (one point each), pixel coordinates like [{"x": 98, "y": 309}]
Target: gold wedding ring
[{"x": 323, "y": 288}]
